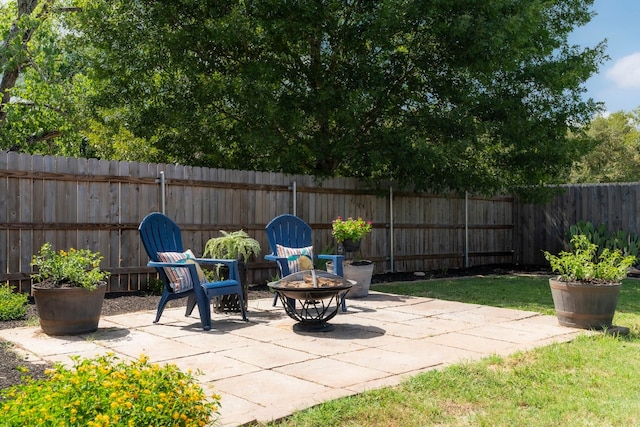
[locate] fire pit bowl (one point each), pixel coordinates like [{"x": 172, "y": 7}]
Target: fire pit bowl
[{"x": 312, "y": 297}]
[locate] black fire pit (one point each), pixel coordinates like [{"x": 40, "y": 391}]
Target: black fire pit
[{"x": 312, "y": 297}]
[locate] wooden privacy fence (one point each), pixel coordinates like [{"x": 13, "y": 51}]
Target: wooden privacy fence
[
  {"x": 98, "y": 205},
  {"x": 544, "y": 227}
]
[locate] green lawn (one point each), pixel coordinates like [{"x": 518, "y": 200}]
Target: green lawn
[{"x": 592, "y": 381}]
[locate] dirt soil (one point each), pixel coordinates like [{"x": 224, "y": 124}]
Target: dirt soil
[{"x": 13, "y": 368}]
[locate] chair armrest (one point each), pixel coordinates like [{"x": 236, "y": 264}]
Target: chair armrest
[
  {"x": 282, "y": 263},
  {"x": 273, "y": 257},
  {"x": 231, "y": 264},
  {"x": 158, "y": 264},
  {"x": 225, "y": 262}
]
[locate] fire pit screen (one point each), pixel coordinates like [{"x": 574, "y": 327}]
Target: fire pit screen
[{"x": 312, "y": 297}]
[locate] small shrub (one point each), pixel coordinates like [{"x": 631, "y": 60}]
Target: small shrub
[
  {"x": 73, "y": 267},
  {"x": 584, "y": 264},
  {"x": 13, "y": 305},
  {"x": 155, "y": 286},
  {"x": 102, "y": 391},
  {"x": 627, "y": 242}
]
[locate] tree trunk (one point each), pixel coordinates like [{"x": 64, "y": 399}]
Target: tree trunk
[{"x": 10, "y": 76}]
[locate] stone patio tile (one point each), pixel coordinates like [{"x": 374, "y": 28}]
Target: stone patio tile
[
  {"x": 429, "y": 354},
  {"x": 66, "y": 360},
  {"x": 215, "y": 341},
  {"x": 286, "y": 408},
  {"x": 319, "y": 344},
  {"x": 270, "y": 388},
  {"x": 475, "y": 316},
  {"x": 505, "y": 313},
  {"x": 436, "y": 307},
  {"x": 276, "y": 331},
  {"x": 234, "y": 411},
  {"x": 173, "y": 329},
  {"x": 389, "y": 315},
  {"x": 214, "y": 367},
  {"x": 158, "y": 349},
  {"x": 506, "y": 334},
  {"x": 389, "y": 361},
  {"x": 31, "y": 338},
  {"x": 422, "y": 328},
  {"x": 267, "y": 355},
  {"x": 378, "y": 300},
  {"x": 471, "y": 343},
  {"x": 332, "y": 372}
]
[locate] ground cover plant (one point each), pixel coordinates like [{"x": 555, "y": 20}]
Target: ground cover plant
[
  {"x": 107, "y": 392},
  {"x": 13, "y": 305},
  {"x": 590, "y": 381}
]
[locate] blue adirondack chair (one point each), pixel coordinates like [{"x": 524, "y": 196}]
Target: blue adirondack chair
[
  {"x": 160, "y": 235},
  {"x": 292, "y": 232}
]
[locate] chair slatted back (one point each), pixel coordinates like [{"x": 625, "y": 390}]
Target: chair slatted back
[
  {"x": 160, "y": 234},
  {"x": 288, "y": 230}
]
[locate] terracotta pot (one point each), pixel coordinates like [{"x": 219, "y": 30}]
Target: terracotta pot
[
  {"x": 586, "y": 306},
  {"x": 68, "y": 311}
]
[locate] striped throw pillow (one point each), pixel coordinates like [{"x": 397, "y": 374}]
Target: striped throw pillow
[
  {"x": 179, "y": 278},
  {"x": 293, "y": 256}
]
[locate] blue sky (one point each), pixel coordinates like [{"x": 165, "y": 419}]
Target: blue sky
[{"x": 618, "y": 82}]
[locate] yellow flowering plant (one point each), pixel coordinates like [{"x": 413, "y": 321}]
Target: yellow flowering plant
[
  {"x": 74, "y": 267},
  {"x": 106, "y": 392},
  {"x": 350, "y": 229}
]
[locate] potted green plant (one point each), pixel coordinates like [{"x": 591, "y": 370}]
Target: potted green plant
[
  {"x": 232, "y": 245},
  {"x": 349, "y": 233},
  {"x": 68, "y": 289},
  {"x": 585, "y": 294}
]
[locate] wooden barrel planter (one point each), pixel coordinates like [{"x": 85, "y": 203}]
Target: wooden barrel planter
[
  {"x": 584, "y": 305},
  {"x": 69, "y": 311}
]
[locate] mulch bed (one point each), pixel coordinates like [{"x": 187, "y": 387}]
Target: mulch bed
[{"x": 13, "y": 368}]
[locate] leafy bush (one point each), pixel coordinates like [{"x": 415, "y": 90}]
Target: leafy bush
[
  {"x": 155, "y": 286},
  {"x": 73, "y": 267},
  {"x": 350, "y": 229},
  {"x": 101, "y": 392},
  {"x": 584, "y": 263},
  {"x": 13, "y": 305},
  {"x": 627, "y": 242}
]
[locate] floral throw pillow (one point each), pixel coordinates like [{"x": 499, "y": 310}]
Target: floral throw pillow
[
  {"x": 179, "y": 278},
  {"x": 297, "y": 258}
]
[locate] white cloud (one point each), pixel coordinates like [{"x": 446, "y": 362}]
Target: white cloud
[{"x": 625, "y": 72}]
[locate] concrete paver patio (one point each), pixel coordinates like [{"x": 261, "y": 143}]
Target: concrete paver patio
[{"x": 264, "y": 370}]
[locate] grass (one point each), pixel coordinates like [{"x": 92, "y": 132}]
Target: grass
[{"x": 591, "y": 381}]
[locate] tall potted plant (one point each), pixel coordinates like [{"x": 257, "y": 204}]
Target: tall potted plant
[
  {"x": 232, "y": 245},
  {"x": 68, "y": 289},
  {"x": 585, "y": 294},
  {"x": 349, "y": 234}
]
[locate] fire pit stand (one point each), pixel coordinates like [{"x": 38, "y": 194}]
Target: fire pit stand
[{"x": 312, "y": 298}]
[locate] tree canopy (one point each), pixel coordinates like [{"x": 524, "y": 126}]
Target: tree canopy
[
  {"x": 432, "y": 94},
  {"x": 615, "y": 156}
]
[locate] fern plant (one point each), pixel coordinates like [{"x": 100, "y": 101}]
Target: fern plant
[{"x": 232, "y": 245}]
